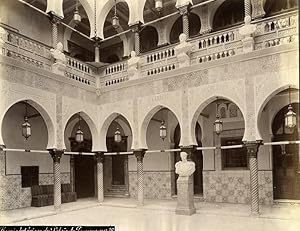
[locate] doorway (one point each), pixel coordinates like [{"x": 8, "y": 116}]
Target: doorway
[
  {"x": 84, "y": 182},
  {"x": 286, "y": 182}
]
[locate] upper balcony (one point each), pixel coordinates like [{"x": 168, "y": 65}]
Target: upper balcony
[{"x": 270, "y": 32}]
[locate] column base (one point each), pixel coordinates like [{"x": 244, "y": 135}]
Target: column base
[{"x": 185, "y": 211}]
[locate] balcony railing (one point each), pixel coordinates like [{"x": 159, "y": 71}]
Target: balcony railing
[{"x": 272, "y": 31}]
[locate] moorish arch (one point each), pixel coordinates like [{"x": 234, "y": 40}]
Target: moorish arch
[
  {"x": 268, "y": 94},
  {"x": 126, "y": 126},
  {"x": 71, "y": 122},
  {"x": 43, "y": 111},
  {"x": 146, "y": 120}
]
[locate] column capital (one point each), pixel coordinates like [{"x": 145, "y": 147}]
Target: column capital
[
  {"x": 99, "y": 157},
  {"x": 56, "y": 154},
  {"x": 252, "y": 147},
  {"x": 135, "y": 28},
  {"x": 54, "y": 18},
  {"x": 139, "y": 154},
  {"x": 184, "y": 10}
]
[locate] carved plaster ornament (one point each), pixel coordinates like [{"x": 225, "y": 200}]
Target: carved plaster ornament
[
  {"x": 183, "y": 51},
  {"x": 133, "y": 63},
  {"x": 184, "y": 168}
]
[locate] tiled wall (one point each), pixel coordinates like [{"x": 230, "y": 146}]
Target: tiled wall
[
  {"x": 234, "y": 186},
  {"x": 157, "y": 184}
]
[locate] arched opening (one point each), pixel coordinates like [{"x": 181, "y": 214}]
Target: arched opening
[
  {"x": 82, "y": 167},
  {"x": 146, "y": 43},
  {"x": 229, "y": 14},
  {"x": 115, "y": 46},
  {"x": 197, "y": 158},
  {"x": 273, "y": 7},
  {"x": 282, "y": 160},
  {"x": 116, "y": 172},
  {"x": 177, "y": 28}
]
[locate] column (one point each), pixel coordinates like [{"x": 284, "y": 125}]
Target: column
[
  {"x": 2, "y": 175},
  {"x": 97, "y": 49},
  {"x": 252, "y": 150},
  {"x": 126, "y": 173},
  {"x": 72, "y": 173},
  {"x": 55, "y": 21},
  {"x": 139, "y": 154},
  {"x": 56, "y": 155},
  {"x": 184, "y": 11},
  {"x": 136, "y": 30},
  {"x": 100, "y": 189},
  {"x": 247, "y": 6}
]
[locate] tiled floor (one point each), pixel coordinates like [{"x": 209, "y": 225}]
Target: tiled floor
[{"x": 159, "y": 215}]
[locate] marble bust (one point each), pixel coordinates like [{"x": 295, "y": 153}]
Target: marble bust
[
  {"x": 248, "y": 29},
  {"x": 183, "y": 51},
  {"x": 58, "y": 54},
  {"x": 184, "y": 167}
]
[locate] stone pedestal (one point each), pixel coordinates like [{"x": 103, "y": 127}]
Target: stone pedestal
[
  {"x": 185, "y": 196},
  {"x": 248, "y": 44},
  {"x": 58, "y": 68}
]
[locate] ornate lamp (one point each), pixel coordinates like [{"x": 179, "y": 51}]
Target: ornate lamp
[
  {"x": 115, "y": 19},
  {"x": 77, "y": 16},
  {"x": 79, "y": 133},
  {"x": 158, "y": 5},
  {"x": 26, "y": 127},
  {"x": 290, "y": 116},
  {"x": 163, "y": 130},
  {"x": 118, "y": 137},
  {"x": 218, "y": 124}
]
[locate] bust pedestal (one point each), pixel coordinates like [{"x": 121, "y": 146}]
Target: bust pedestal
[
  {"x": 185, "y": 196},
  {"x": 58, "y": 68}
]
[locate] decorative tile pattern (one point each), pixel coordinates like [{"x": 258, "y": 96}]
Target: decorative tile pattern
[
  {"x": 47, "y": 178},
  {"x": 234, "y": 186},
  {"x": 157, "y": 185}
]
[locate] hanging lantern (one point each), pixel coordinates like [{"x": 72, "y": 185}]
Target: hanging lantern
[
  {"x": 26, "y": 127},
  {"x": 118, "y": 137},
  {"x": 115, "y": 19},
  {"x": 158, "y": 5},
  {"x": 162, "y": 130},
  {"x": 218, "y": 124},
  {"x": 290, "y": 118},
  {"x": 77, "y": 16},
  {"x": 79, "y": 133}
]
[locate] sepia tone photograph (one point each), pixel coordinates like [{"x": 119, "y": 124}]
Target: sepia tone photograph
[{"x": 139, "y": 115}]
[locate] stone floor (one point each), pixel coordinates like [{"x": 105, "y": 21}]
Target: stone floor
[{"x": 158, "y": 215}]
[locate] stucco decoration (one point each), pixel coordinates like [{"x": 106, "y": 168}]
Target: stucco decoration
[
  {"x": 150, "y": 105},
  {"x": 202, "y": 96},
  {"x": 183, "y": 51},
  {"x": 42, "y": 101},
  {"x": 87, "y": 111},
  {"x": 133, "y": 65}
]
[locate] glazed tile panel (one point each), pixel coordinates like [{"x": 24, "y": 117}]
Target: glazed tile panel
[
  {"x": 234, "y": 186},
  {"x": 157, "y": 185}
]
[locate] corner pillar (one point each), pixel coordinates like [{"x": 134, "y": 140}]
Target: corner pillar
[
  {"x": 139, "y": 154},
  {"x": 55, "y": 21},
  {"x": 56, "y": 155},
  {"x": 252, "y": 150},
  {"x": 97, "y": 49},
  {"x": 100, "y": 188}
]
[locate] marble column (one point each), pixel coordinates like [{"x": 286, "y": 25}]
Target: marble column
[
  {"x": 100, "y": 188},
  {"x": 56, "y": 155},
  {"x": 97, "y": 49},
  {"x": 247, "y": 7},
  {"x": 2, "y": 175},
  {"x": 252, "y": 150},
  {"x": 136, "y": 30},
  {"x": 55, "y": 21},
  {"x": 72, "y": 173},
  {"x": 140, "y": 175},
  {"x": 126, "y": 173},
  {"x": 184, "y": 11}
]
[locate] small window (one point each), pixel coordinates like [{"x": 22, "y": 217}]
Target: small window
[
  {"x": 235, "y": 157},
  {"x": 30, "y": 176}
]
